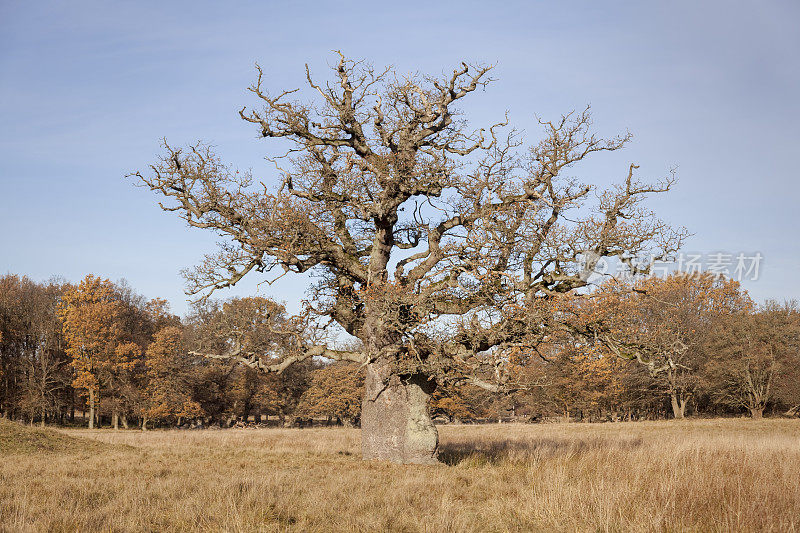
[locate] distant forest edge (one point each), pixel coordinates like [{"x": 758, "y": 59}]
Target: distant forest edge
[{"x": 98, "y": 353}]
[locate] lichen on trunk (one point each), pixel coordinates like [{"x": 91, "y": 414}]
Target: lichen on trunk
[{"x": 395, "y": 421}]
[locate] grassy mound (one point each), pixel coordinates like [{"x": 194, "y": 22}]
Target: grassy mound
[{"x": 16, "y": 438}]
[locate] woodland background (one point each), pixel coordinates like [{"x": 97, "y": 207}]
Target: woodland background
[{"x": 708, "y": 351}]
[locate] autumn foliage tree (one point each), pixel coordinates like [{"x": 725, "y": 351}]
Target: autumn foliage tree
[
  {"x": 455, "y": 403},
  {"x": 755, "y": 357},
  {"x": 254, "y": 325},
  {"x": 409, "y": 216},
  {"x": 584, "y": 379},
  {"x": 663, "y": 323},
  {"x": 170, "y": 378},
  {"x": 335, "y": 392},
  {"x": 103, "y": 351},
  {"x": 34, "y": 371},
  {"x": 88, "y": 311}
]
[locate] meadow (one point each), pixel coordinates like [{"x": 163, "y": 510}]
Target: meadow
[{"x": 693, "y": 475}]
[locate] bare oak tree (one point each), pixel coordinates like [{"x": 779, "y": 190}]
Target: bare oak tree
[{"x": 438, "y": 246}]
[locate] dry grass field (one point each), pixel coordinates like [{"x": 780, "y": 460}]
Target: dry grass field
[{"x": 703, "y": 475}]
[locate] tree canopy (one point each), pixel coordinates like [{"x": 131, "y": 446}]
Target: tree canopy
[{"x": 437, "y": 244}]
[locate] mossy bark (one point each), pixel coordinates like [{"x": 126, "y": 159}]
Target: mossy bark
[{"x": 396, "y": 424}]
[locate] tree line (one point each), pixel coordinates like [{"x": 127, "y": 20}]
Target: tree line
[
  {"x": 628, "y": 350},
  {"x": 665, "y": 348},
  {"x": 102, "y": 351}
]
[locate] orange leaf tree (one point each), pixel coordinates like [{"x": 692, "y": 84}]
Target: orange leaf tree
[
  {"x": 336, "y": 391},
  {"x": 663, "y": 323},
  {"x": 170, "y": 378},
  {"x": 94, "y": 316},
  {"x": 261, "y": 333},
  {"x": 755, "y": 357}
]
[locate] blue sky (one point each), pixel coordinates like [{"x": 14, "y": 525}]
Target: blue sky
[{"x": 87, "y": 89}]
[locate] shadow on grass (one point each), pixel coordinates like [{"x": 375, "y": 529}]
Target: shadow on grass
[{"x": 515, "y": 451}]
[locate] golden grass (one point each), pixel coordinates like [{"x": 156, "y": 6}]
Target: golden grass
[
  {"x": 19, "y": 439},
  {"x": 703, "y": 475}
]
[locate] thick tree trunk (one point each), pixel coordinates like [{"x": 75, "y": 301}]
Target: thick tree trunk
[
  {"x": 756, "y": 412},
  {"x": 395, "y": 421},
  {"x": 124, "y": 420},
  {"x": 115, "y": 420}
]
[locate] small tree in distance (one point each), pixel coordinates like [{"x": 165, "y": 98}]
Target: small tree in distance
[
  {"x": 253, "y": 325},
  {"x": 90, "y": 312},
  {"x": 169, "y": 388},
  {"x": 336, "y": 391},
  {"x": 755, "y": 357},
  {"x": 438, "y": 246},
  {"x": 664, "y": 324}
]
